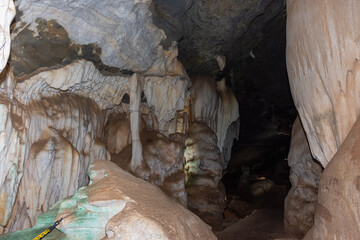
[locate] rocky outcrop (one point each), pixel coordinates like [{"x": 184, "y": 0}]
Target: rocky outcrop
[
  {"x": 206, "y": 193},
  {"x": 304, "y": 176},
  {"x": 117, "y": 205},
  {"x": 337, "y": 214},
  {"x": 323, "y": 67},
  {"x": 7, "y": 12}
]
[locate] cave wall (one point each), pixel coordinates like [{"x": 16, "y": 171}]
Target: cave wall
[
  {"x": 68, "y": 75},
  {"x": 322, "y": 60},
  {"x": 305, "y": 175},
  {"x": 7, "y": 10}
]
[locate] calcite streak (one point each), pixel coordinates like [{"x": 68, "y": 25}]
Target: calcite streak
[
  {"x": 13, "y": 152},
  {"x": 322, "y": 60},
  {"x": 55, "y": 141}
]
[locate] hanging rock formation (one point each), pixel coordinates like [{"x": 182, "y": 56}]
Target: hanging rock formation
[
  {"x": 117, "y": 205},
  {"x": 216, "y": 106},
  {"x": 304, "y": 176},
  {"x": 323, "y": 70}
]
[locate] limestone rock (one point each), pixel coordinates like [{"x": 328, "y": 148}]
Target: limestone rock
[
  {"x": 163, "y": 163},
  {"x": 337, "y": 213},
  {"x": 230, "y": 22},
  {"x": 123, "y": 30},
  {"x": 54, "y": 141},
  {"x": 14, "y": 123},
  {"x": 166, "y": 95},
  {"x": 216, "y": 105},
  {"x": 81, "y": 78},
  {"x": 206, "y": 193},
  {"x": 7, "y": 12},
  {"x": 117, "y": 205},
  {"x": 117, "y": 133},
  {"x": 322, "y": 59},
  {"x": 168, "y": 16},
  {"x": 228, "y": 121},
  {"x": 261, "y": 187},
  {"x": 304, "y": 176}
]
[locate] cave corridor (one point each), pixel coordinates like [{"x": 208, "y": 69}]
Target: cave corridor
[{"x": 179, "y": 119}]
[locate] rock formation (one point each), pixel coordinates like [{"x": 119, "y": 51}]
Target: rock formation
[
  {"x": 75, "y": 70},
  {"x": 337, "y": 213},
  {"x": 216, "y": 106},
  {"x": 323, "y": 66},
  {"x": 323, "y": 70},
  {"x": 304, "y": 176},
  {"x": 7, "y": 12},
  {"x": 206, "y": 193},
  {"x": 117, "y": 205}
]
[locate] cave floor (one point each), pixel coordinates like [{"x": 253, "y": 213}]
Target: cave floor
[
  {"x": 266, "y": 222},
  {"x": 263, "y": 224}
]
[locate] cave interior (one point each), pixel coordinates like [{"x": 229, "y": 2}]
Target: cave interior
[{"x": 179, "y": 119}]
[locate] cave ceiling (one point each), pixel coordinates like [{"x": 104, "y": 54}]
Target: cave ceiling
[{"x": 251, "y": 35}]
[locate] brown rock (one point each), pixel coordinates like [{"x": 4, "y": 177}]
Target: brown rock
[
  {"x": 322, "y": 62},
  {"x": 304, "y": 176},
  {"x": 148, "y": 214},
  {"x": 337, "y": 214},
  {"x": 206, "y": 193}
]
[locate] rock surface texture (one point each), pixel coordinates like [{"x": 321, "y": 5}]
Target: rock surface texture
[
  {"x": 213, "y": 28},
  {"x": 323, "y": 67},
  {"x": 215, "y": 105},
  {"x": 206, "y": 193},
  {"x": 117, "y": 205},
  {"x": 304, "y": 176},
  {"x": 7, "y": 12},
  {"x": 92, "y": 81},
  {"x": 337, "y": 214}
]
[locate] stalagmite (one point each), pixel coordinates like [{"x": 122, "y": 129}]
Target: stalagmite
[
  {"x": 304, "y": 176},
  {"x": 135, "y": 121},
  {"x": 206, "y": 193}
]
